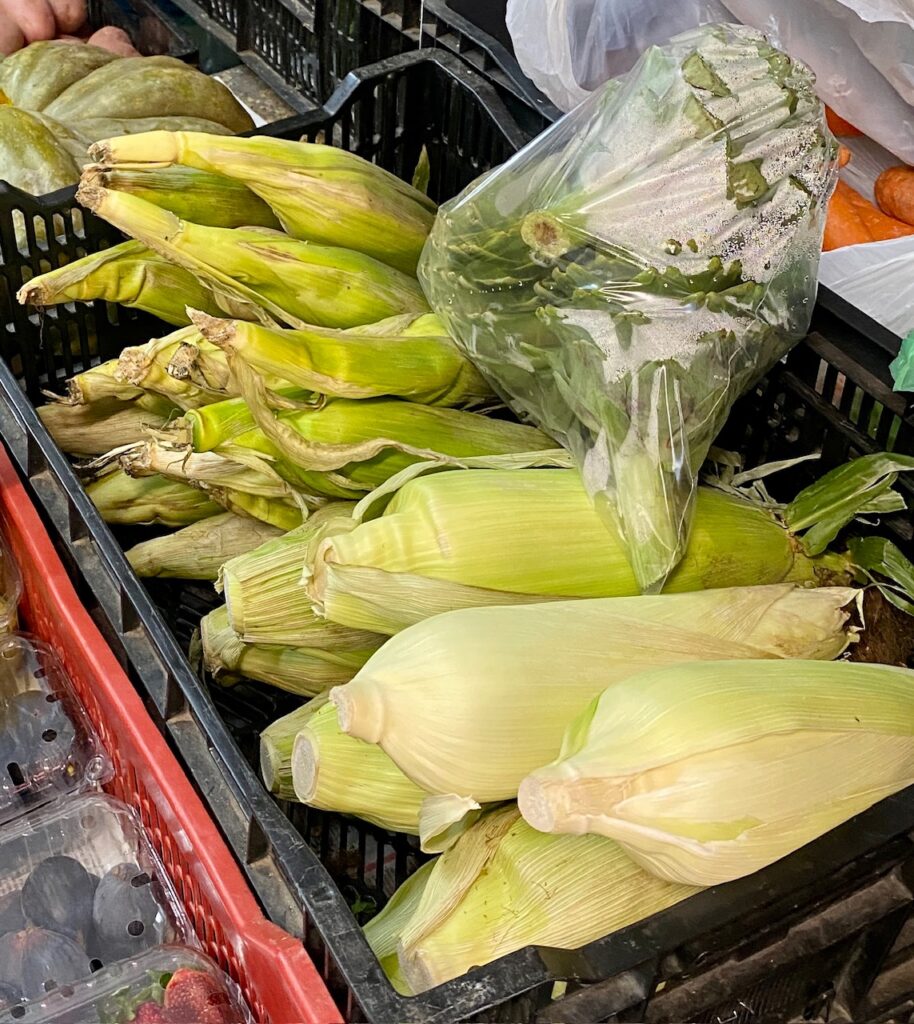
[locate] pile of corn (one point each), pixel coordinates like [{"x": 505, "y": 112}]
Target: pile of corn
[{"x": 483, "y": 672}]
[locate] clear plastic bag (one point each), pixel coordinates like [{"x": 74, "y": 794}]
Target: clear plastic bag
[{"x": 632, "y": 271}]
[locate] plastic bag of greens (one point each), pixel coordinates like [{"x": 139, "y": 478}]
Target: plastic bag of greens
[{"x": 632, "y": 271}]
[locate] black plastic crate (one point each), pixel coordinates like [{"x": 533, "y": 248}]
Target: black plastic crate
[
  {"x": 806, "y": 934},
  {"x": 304, "y": 48}
]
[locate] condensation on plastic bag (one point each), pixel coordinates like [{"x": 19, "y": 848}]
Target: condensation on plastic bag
[{"x": 638, "y": 266}]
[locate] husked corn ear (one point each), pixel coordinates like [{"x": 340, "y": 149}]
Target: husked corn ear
[
  {"x": 481, "y": 537},
  {"x": 266, "y": 602},
  {"x": 128, "y": 274},
  {"x": 472, "y": 701},
  {"x": 88, "y": 430},
  {"x": 198, "y": 551},
  {"x": 207, "y": 198},
  {"x": 263, "y": 275},
  {"x": 426, "y": 368},
  {"x": 305, "y": 671},
  {"x": 150, "y": 500},
  {"x": 503, "y": 886},
  {"x": 320, "y": 193},
  {"x": 708, "y": 771}
]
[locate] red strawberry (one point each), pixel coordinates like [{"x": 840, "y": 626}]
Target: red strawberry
[
  {"x": 151, "y": 1013},
  {"x": 195, "y": 997}
]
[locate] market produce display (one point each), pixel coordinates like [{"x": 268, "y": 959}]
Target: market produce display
[
  {"x": 482, "y": 663},
  {"x": 60, "y": 98}
]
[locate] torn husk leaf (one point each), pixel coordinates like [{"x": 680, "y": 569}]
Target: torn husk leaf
[{"x": 199, "y": 551}]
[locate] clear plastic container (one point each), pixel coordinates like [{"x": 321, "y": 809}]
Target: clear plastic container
[
  {"x": 10, "y": 588},
  {"x": 80, "y": 888},
  {"x": 48, "y": 746},
  {"x": 166, "y": 985}
]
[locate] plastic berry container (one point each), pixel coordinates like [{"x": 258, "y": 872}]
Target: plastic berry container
[
  {"x": 165, "y": 985},
  {"x": 10, "y": 588},
  {"x": 80, "y": 888},
  {"x": 48, "y": 746}
]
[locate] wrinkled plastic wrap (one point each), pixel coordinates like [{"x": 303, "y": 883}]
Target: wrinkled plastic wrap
[
  {"x": 861, "y": 50},
  {"x": 632, "y": 271}
]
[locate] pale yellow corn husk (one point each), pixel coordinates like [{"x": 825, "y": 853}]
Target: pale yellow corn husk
[
  {"x": 150, "y": 500},
  {"x": 320, "y": 193},
  {"x": 490, "y": 537},
  {"x": 97, "y": 384},
  {"x": 709, "y": 771},
  {"x": 264, "y": 275},
  {"x": 128, "y": 274},
  {"x": 305, "y": 671},
  {"x": 334, "y": 772},
  {"x": 472, "y": 701},
  {"x": 146, "y": 367},
  {"x": 239, "y": 488},
  {"x": 200, "y": 550},
  {"x": 266, "y": 601},
  {"x": 423, "y": 367},
  {"x": 88, "y": 430},
  {"x": 504, "y": 886},
  {"x": 383, "y": 931}
]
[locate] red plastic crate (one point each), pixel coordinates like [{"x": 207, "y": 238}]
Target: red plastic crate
[{"x": 278, "y": 978}]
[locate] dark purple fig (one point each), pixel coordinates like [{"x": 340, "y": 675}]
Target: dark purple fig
[
  {"x": 34, "y": 960},
  {"x": 126, "y": 915},
  {"x": 11, "y": 917},
  {"x": 59, "y": 894}
]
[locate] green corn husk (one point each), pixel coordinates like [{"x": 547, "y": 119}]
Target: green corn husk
[
  {"x": 254, "y": 492},
  {"x": 504, "y": 886},
  {"x": 267, "y": 604},
  {"x": 263, "y": 275},
  {"x": 365, "y": 442},
  {"x": 85, "y": 431},
  {"x": 206, "y": 198},
  {"x": 422, "y": 367},
  {"x": 199, "y": 551},
  {"x": 146, "y": 366},
  {"x": 320, "y": 193},
  {"x": 97, "y": 384},
  {"x": 709, "y": 771},
  {"x": 152, "y": 500},
  {"x": 383, "y": 931},
  {"x": 128, "y": 274},
  {"x": 472, "y": 701},
  {"x": 305, "y": 671}
]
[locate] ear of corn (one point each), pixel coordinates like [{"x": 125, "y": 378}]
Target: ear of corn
[
  {"x": 266, "y": 603},
  {"x": 202, "y": 196},
  {"x": 426, "y": 368},
  {"x": 473, "y": 537},
  {"x": 87, "y": 430},
  {"x": 301, "y": 670},
  {"x": 198, "y": 551},
  {"x": 705, "y": 772},
  {"x": 151, "y": 500},
  {"x": 472, "y": 701},
  {"x": 97, "y": 384},
  {"x": 128, "y": 274},
  {"x": 320, "y": 194},
  {"x": 504, "y": 886},
  {"x": 263, "y": 275},
  {"x": 146, "y": 367}
]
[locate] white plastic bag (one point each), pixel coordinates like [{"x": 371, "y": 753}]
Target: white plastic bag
[
  {"x": 862, "y": 51},
  {"x": 570, "y": 47},
  {"x": 627, "y": 275}
]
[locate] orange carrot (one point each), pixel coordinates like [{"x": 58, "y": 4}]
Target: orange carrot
[
  {"x": 838, "y": 125},
  {"x": 853, "y": 219},
  {"x": 894, "y": 190}
]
